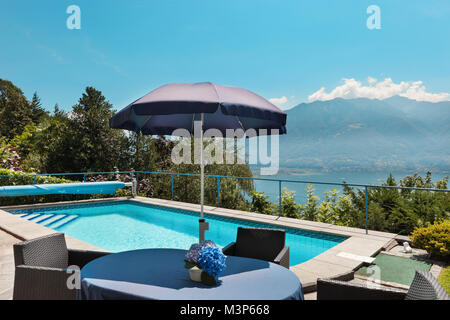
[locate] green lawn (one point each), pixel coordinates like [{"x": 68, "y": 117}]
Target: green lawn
[
  {"x": 444, "y": 278},
  {"x": 394, "y": 269}
]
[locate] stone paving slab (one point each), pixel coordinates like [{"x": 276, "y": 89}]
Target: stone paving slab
[
  {"x": 6, "y": 265},
  {"x": 321, "y": 268},
  {"x": 355, "y": 257}
]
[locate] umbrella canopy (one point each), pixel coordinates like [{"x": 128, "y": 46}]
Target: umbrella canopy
[{"x": 179, "y": 105}]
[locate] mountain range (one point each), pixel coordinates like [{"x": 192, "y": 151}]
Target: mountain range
[{"x": 361, "y": 134}]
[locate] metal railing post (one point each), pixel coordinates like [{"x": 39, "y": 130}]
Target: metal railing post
[
  {"x": 279, "y": 198},
  {"x": 218, "y": 191},
  {"x": 172, "y": 186},
  {"x": 137, "y": 182},
  {"x": 84, "y": 177},
  {"x": 367, "y": 219},
  {"x": 34, "y": 182}
]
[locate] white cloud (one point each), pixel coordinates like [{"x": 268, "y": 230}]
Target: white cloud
[
  {"x": 371, "y": 80},
  {"x": 380, "y": 90},
  {"x": 278, "y": 101}
]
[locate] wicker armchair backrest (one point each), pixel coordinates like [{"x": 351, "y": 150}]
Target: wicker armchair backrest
[
  {"x": 425, "y": 287},
  {"x": 47, "y": 251},
  {"x": 259, "y": 243}
]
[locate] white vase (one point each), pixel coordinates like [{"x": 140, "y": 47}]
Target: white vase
[{"x": 195, "y": 274}]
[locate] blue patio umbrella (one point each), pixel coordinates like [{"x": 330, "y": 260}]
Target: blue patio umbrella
[{"x": 179, "y": 105}]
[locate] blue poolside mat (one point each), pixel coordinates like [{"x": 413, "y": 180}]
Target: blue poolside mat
[{"x": 108, "y": 187}]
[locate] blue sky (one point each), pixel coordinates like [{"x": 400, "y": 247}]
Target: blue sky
[{"x": 275, "y": 48}]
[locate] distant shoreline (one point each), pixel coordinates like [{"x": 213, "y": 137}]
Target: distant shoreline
[
  {"x": 328, "y": 180},
  {"x": 306, "y": 171}
]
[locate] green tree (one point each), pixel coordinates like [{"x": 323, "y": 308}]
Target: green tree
[
  {"x": 95, "y": 144},
  {"x": 15, "y": 110},
  {"x": 233, "y": 192},
  {"x": 260, "y": 203},
  {"x": 309, "y": 211},
  {"x": 400, "y": 211},
  {"x": 54, "y": 145},
  {"x": 289, "y": 208},
  {"x": 37, "y": 111},
  {"x": 336, "y": 209}
]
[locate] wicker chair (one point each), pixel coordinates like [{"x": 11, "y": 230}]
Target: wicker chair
[
  {"x": 423, "y": 287},
  {"x": 42, "y": 272},
  {"x": 259, "y": 243}
]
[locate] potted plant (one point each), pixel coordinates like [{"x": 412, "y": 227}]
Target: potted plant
[{"x": 205, "y": 262}]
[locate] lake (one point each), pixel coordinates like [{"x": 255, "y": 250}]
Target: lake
[{"x": 270, "y": 188}]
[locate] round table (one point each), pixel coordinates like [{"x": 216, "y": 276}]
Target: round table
[{"x": 160, "y": 274}]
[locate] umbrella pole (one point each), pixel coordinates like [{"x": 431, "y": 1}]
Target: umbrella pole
[{"x": 202, "y": 225}]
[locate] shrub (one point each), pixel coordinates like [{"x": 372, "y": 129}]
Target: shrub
[
  {"x": 309, "y": 211},
  {"x": 288, "y": 206},
  {"x": 9, "y": 157},
  {"x": 260, "y": 203},
  {"x": 435, "y": 239},
  {"x": 22, "y": 178}
]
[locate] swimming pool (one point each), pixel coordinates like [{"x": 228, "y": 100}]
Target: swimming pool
[{"x": 125, "y": 225}]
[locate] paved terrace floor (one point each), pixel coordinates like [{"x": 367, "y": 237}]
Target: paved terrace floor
[
  {"x": 6, "y": 265},
  {"x": 327, "y": 264}
]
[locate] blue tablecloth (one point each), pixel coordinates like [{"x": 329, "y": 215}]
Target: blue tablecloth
[{"x": 160, "y": 274}]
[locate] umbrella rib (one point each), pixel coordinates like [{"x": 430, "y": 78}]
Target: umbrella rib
[
  {"x": 239, "y": 121},
  {"x": 145, "y": 122},
  {"x": 217, "y": 94},
  {"x": 219, "y": 102}
]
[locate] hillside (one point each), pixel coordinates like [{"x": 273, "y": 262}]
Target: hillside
[{"x": 395, "y": 133}]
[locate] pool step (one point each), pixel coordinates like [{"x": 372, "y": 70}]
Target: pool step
[
  {"x": 43, "y": 219},
  {"x": 50, "y": 220},
  {"x": 47, "y": 218},
  {"x": 62, "y": 221},
  {"x": 32, "y": 216},
  {"x": 36, "y": 216},
  {"x": 24, "y": 215}
]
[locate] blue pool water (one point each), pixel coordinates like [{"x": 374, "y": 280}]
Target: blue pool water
[{"x": 126, "y": 225}]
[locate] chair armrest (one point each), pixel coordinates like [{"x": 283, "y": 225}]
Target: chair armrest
[
  {"x": 82, "y": 257},
  {"x": 283, "y": 257},
  {"x": 340, "y": 290},
  {"x": 346, "y": 276},
  {"x": 43, "y": 283},
  {"x": 229, "y": 249}
]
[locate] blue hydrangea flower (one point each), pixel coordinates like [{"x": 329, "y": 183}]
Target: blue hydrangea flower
[
  {"x": 212, "y": 261},
  {"x": 195, "y": 249},
  {"x": 193, "y": 253},
  {"x": 207, "y": 243}
]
